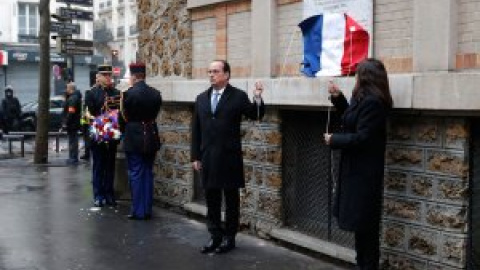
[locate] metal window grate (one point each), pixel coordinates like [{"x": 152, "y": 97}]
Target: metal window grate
[{"x": 307, "y": 182}]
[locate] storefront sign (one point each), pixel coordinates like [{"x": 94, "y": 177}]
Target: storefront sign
[{"x": 34, "y": 57}]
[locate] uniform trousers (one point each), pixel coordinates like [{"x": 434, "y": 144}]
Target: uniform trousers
[
  {"x": 103, "y": 171},
  {"x": 214, "y": 212},
  {"x": 140, "y": 175}
]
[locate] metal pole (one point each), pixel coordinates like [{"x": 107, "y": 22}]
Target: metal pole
[{"x": 5, "y": 74}]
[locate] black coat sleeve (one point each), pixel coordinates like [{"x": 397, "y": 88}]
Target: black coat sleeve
[
  {"x": 253, "y": 110},
  {"x": 340, "y": 103},
  {"x": 371, "y": 120}
]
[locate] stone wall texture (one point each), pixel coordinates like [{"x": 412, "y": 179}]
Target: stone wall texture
[
  {"x": 260, "y": 200},
  {"x": 426, "y": 186},
  {"x": 165, "y": 37}
]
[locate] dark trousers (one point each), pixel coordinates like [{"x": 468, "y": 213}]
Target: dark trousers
[
  {"x": 103, "y": 171},
  {"x": 214, "y": 212},
  {"x": 367, "y": 246},
  {"x": 72, "y": 145},
  {"x": 86, "y": 139},
  {"x": 140, "y": 176}
]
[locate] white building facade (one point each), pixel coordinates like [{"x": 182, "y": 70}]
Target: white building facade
[
  {"x": 119, "y": 17},
  {"x": 19, "y": 39}
]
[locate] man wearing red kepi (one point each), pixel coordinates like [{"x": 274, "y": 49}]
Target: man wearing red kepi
[{"x": 140, "y": 107}]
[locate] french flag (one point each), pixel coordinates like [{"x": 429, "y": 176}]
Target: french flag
[{"x": 333, "y": 45}]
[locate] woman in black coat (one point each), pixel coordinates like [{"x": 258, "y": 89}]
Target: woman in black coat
[{"x": 362, "y": 143}]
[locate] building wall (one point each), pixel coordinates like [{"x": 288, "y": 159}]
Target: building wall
[
  {"x": 290, "y": 46},
  {"x": 204, "y": 46},
  {"x": 239, "y": 34},
  {"x": 165, "y": 38},
  {"x": 468, "y": 55},
  {"x": 393, "y": 33},
  {"x": 426, "y": 181},
  {"x": 260, "y": 200},
  {"x": 426, "y": 193}
]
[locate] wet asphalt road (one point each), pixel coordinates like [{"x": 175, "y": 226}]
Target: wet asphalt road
[{"x": 46, "y": 222}]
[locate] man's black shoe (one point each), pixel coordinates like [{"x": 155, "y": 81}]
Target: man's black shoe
[
  {"x": 211, "y": 246},
  {"x": 227, "y": 245},
  {"x": 85, "y": 157}
]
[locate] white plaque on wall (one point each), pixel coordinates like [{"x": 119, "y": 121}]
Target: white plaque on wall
[{"x": 360, "y": 10}]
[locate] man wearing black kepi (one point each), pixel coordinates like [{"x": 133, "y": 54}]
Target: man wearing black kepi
[
  {"x": 217, "y": 151},
  {"x": 100, "y": 99},
  {"x": 141, "y": 105}
]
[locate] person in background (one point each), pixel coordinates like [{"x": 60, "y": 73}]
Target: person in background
[
  {"x": 217, "y": 151},
  {"x": 71, "y": 120},
  {"x": 359, "y": 190},
  {"x": 103, "y": 97},
  {"x": 141, "y": 105},
  {"x": 11, "y": 110}
]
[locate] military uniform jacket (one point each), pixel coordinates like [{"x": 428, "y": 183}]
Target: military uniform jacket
[
  {"x": 95, "y": 99},
  {"x": 216, "y": 138},
  {"x": 141, "y": 105}
]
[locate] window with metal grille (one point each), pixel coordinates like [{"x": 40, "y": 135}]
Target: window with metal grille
[
  {"x": 308, "y": 183},
  {"x": 28, "y": 22}
]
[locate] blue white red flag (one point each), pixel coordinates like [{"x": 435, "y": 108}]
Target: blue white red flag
[{"x": 333, "y": 44}]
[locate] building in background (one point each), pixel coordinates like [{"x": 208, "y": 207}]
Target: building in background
[
  {"x": 431, "y": 48},
  {"x": 19, "y": 39},
  {"x": 115, "y": 31}
]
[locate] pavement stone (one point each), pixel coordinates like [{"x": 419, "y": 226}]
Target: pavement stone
[{"x": 48, "y": 223}]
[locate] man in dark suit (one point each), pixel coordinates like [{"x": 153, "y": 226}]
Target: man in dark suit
[
  {"x": 217, "y": 151},
  {"x": 102, "y": 98},
  {"x": 141, "y": 105}
]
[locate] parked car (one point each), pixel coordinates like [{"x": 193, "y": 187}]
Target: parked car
[{"x": 28, "y": 118}]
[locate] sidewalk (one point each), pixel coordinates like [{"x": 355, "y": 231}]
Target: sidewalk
[{"x": 48, "y": 224}]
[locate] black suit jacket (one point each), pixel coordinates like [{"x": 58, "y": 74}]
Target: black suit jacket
[
  {"x": 141, "y": 105},
  {"x": 362, "y": 143},
  {"x": 216, "y": 138}
]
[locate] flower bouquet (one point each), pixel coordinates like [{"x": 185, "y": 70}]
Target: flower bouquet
[{"x": 105, "y": 128}]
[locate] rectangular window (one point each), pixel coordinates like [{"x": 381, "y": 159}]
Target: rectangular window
[{"x": 28, "y": 18}]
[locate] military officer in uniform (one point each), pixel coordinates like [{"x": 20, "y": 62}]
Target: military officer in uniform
[
  {"x": 140, "y": 107},
  {"x": 101, "y": 98}
]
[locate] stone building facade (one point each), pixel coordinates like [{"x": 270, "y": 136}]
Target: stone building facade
[{"x": 432, "y": 58}]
